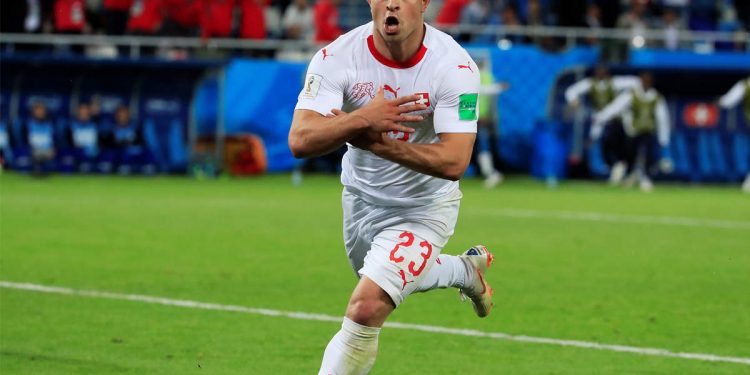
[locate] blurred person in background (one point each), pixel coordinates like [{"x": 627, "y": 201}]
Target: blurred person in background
[
  {"x": 593, "y": 21},
  {"x": 298, "y": 21},
  {"x": 70, "y": 18},
  {"x": 450, "y": 13},
  {"x": 217, "y": 18},
  {"x": 83, "y": 135},
  {"x": 127, "y": 143},
  {"x": 145, "y": 17},
  {"x": 298, "y": 24},
  {"x": 326, "y": 14},
  {"x": 485, "y": 145},
  {"x": 40, "y": 137},
  {"x": 672, "y": 26},
  {"x": 253, "y": 21},
  {"x": 646, "y": 123},
  {"x": 635, "y": 20},
  {"x": 475, "y": 13},
  {"x": 181, "y": 17},
  {"x": 115, "y": 14},
  {"x": 601, "y": 90},
  {"x": 739, "y": 93},
  {"x": 537, "y": 15}
]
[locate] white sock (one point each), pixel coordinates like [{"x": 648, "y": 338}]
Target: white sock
[
  {"x": 448, "y": 271},
  {"x": 351, "y": 351}
]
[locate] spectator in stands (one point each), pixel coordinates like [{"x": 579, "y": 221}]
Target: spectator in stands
[
  {"x": 70, "y": 17},
  {"x": 181, "y": 17},
  {"x": 253, "y": 24},
  {"x": 646, "y": 121},
  {"x": 634, "y": 19},
  {"x": 672, "y": 27},
  {"x": 476, "y": 13},
  {"x": 601, "y": 90},
  {"x": 115, "y": 14},
  {"x": 450, "y": 13},
  {"x": 83, "y": 135},
  {"x": 216, "y": 18},
  {"x": 537, "y": 15},
  {"x": 145, "y": 17},
  {"x": 509, "y": 18},
  {"x": 593, "y": 18},
  {"x": 327, "y": 20},
  {"x": 593, "y": 21},
  {"x": 40, "y": 135},
  {"x": 298, "y": 21},
  {"x": 740, "y": 92}
]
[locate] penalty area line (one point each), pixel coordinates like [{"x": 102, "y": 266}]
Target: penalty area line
[{"x": 337, "y": 319}]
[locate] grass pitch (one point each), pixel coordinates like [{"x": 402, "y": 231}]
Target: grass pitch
[{"x": 670, "y": 270}]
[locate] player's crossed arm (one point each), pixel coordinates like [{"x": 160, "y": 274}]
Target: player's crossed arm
[
  {"x": 313, "y": 134},
  {"x": 446, "y": 159}
]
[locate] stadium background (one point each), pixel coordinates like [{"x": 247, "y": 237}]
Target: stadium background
[{"x": 584, "y": 262}]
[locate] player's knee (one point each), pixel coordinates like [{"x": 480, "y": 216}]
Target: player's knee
[{"x": 366, "y": 311}]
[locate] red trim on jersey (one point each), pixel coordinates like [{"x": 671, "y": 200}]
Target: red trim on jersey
[{"x": 392, "y": 63}]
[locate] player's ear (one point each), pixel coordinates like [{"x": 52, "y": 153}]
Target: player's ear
[{"x": 425, "y": 3}]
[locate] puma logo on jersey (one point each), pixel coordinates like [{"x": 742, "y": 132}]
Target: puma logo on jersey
[
  {"x": 391, "y": 90},
  {"x": 467, "y": 66},
  {"x": 325, "y": 54},
  {"x": 403, "y": 278}
]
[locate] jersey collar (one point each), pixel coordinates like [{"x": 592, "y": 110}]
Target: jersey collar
[{"x": 414, "y": 60}]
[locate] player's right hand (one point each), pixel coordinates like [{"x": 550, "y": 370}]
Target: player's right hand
[{"x": 383, "y": 115}]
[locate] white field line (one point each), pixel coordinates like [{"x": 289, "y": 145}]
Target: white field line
[
  {"x": 614, "y": 218},
  {"x": 413, "y": 327}
]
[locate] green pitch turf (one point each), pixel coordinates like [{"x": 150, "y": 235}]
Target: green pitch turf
[{"x": 682, "y": 284}]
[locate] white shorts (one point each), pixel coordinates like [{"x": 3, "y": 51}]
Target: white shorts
[{"x": 396, "y": 246}]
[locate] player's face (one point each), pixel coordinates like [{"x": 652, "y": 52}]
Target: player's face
[{"x": 396, "y": 20}]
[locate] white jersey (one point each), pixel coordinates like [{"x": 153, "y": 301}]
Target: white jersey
[{"x": 347, "y": 74}]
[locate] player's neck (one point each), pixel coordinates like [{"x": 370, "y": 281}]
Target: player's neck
[{"x": 403, "y": 50}]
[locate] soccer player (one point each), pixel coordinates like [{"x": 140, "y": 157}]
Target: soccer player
[
  {"x": 645, "y": 121},
  {"x": 602, "y": 89},
  {"x": 403, "y": 97},
  {"x": 739, "y": 92}
]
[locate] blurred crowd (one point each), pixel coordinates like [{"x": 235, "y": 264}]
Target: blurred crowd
[
  {"x": 320, "y": 20},
  {"x": 250, "y": 19},
  {"x": 670, "y": 17}
]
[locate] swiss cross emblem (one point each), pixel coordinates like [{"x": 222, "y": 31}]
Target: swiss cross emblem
[
  {"x": 700, "y": 115},
  {"x": 424, "y": 98}
]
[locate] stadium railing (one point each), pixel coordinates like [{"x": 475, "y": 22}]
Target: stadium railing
[{"x": 701, "y": 41}]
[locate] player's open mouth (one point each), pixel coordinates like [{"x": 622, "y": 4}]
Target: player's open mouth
[{"x": 391, "y": 25}]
